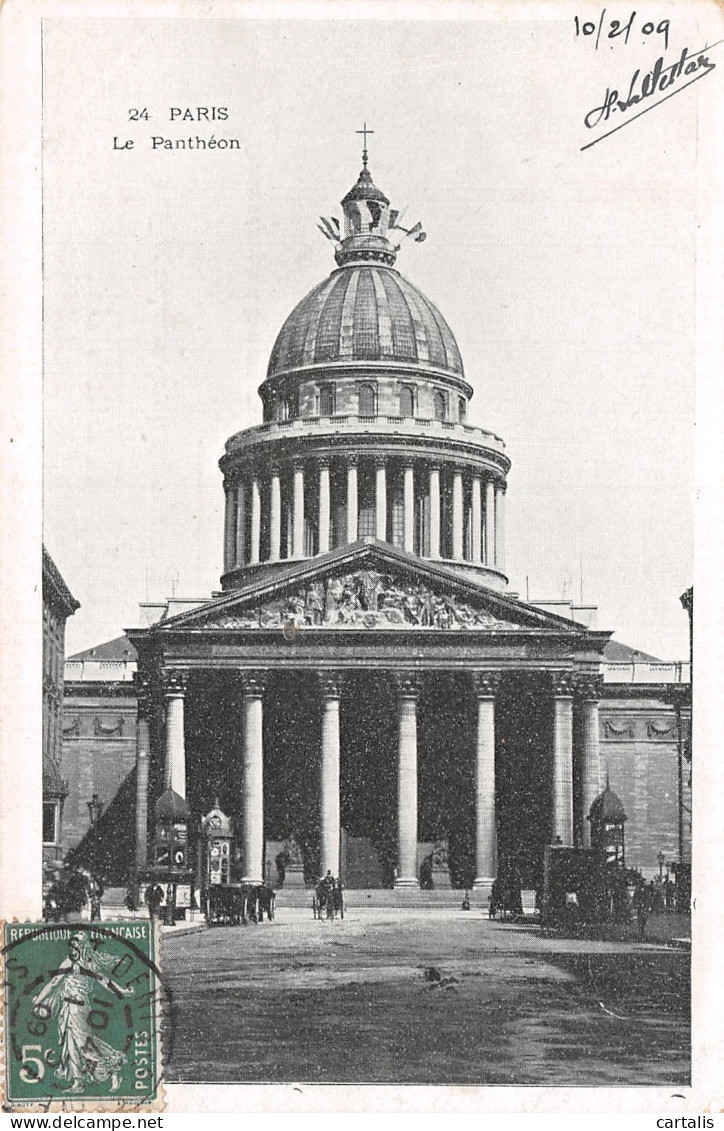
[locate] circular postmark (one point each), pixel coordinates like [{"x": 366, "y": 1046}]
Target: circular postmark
[{"x": 83, "y": 1012}]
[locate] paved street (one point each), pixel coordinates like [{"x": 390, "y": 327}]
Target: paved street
[{"x": 424, "y": 996}]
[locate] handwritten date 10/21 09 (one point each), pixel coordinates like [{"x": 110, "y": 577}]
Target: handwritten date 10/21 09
[{"x": 612, "y": 29}]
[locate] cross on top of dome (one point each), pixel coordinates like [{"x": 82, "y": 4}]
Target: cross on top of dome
[{"x": 364, "y": 131}]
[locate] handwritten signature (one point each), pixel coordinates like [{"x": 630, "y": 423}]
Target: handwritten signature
[{"x": 659, "y": 79}]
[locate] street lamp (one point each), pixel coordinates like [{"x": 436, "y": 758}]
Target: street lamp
[{"x": 661, "y": 859}]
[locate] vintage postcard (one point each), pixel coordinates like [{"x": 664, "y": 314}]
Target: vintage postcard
[{"x": 362, "y": 387}]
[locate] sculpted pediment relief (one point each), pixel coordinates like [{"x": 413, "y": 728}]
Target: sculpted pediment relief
[{"x": 363, "y": 599}]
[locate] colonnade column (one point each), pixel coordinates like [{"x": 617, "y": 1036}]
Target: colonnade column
[
  {"x": 175, "y": 743},
  {"x": 143, "y": 754},
  {"x": 499, "y": 527},
  {"x": 434, "y": 512},
  {"x": 380, "y": 500},
  {"x": 324, "y": 509},
  {"x": 252, "y": 833},
  {"x": 486, "y": 687},
  {"x": 329, "y": 774},
  {"x": 255, "y": 522},
  {"x": 352, "y": 501},
  {"x": 588, "y": 693},
  {"x": 457, "y": 515},
  {"x": 408, "y": 690},
  {"x": 298, "y": 513},
  {"x": 241, "y": 523},
  {"x": 489, "y": 522},
  {"x": 562, "y": 759},
  {"x": 476, "y": 520},
  {"x": 229, "y": 505},
  {"x": 408, "y": 506},
  {"x": 275, "y": 516}
]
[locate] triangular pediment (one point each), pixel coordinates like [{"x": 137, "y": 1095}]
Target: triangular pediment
[{"x": 366, "y": 586}]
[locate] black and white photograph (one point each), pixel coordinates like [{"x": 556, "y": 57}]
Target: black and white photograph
[{"x": 373, "y": 407}]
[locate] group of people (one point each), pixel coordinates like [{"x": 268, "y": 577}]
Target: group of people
[{"x": 329, "y": 896}]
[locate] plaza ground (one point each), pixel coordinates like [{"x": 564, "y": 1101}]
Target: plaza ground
[{"x": 423, "y": 995}]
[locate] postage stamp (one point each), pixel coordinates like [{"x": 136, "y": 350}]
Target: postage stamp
[{"x": 82, "y": 1014}]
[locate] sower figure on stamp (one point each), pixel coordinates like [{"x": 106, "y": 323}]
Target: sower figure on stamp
[{"x": 85, "y": 1058}]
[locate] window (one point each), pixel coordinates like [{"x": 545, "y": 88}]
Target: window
[
  {"x": 440, "y": 403},
  {"x": 462, "y": 409},
  {"x": 367, "y": 400},
  {"x": 326, "y": 400},
  {"x": 407, "y": 401},
  {"x": 50, "y": 814}
]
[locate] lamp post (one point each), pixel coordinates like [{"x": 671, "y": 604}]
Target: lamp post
[{"x": 661, "y": 859}]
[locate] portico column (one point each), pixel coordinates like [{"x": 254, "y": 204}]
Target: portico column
[
  {"x": 175, "y": 743},
  {"x": 562, "y": 760},
  {"x": 298, "y": 513},
  {"x": 324, "y": 508},
  {"x": 229, "y": 504},
  {"x": 252, "y": 833},
  {"x": 457, "y": 515},
  {"x": 329, "y": 775},
  {"x": 255, "y": 521},
  {"x": 486, "y": 687},
  {"x": 408, "y": 506},
  {"x": 408, "y": 690},
  {"x": 499, "y": 527},
  {"x": 352, "y": 501},
  {"x": 380, "y": 500},
  {"x": 489, "y": 523},
  {"x": 434, "y": 512},
  {"x": 143, "y": 754},
  {"x": 241, "y": 523},
  {"x": 275, "y": 516},
  {"x": 588, "y": 694},
  {"x": 476, "y": 520}
]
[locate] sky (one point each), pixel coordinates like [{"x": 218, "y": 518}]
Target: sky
[{"x": 567, "y": 276}]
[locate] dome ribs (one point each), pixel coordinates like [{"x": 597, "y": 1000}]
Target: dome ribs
[
  {"x": 404, "y": 343},
  {"x": 453, "y": 360},
  {"x": 415, "y": 308},
  {"x": 329, "y": 321},
  {"x": 366, "y": 333},
  {"x": 346, "y": 329},
  {"x": 384, "y": 316}
]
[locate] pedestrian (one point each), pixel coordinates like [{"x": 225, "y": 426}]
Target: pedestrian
[
  {"x": 466, "y": 902},
  {"x": 641, "y": 907},
  {"x": 154, "y": 899}
]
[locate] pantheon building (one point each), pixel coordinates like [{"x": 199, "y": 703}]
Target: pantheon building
[{"x": 364, "y": 686}]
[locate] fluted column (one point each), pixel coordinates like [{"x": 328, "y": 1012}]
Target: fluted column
[
  {"x": 476, "y": 520},
  {"x": 408, "y": 506},
  {"x": 457, "y": 515},
  {"x": 255, "y": 548},
  {"x": 588, "y": 693},
  {"x": 143, "y": 755},
  {"x": 252, "y": 831},
  {"x": 298, "y": 513},
  {"x": 486, "y": 688},
  {"x": 324, "y": 508},
  {"x": 352, "y": 501},
  {"x": 275, "y": 516},
  {"x": 380, "y": 500},
  {"x": 562, "y": 759},
  {"x": 229, "y": 504},
  {"x": 499, "y": 527},
  {"x": 408, "y": 690},
  {"x": 329, "y": 775},
  {"x": 241, "y": 523},
  {"x": 175, "y": 742},
  {"x": 434, "y": 512},
  {"x": 489, "y": 523}
]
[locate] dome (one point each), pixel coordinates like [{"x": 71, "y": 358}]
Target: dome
[
  {"x": 365, "y": 312},
  {"x": 171, "y": 808}
]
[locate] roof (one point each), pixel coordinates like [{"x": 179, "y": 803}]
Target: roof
[
  {"x": 120, "y": 648},
  {"x": 55, "y": 590},
  {"x": 608, "y": 808},
  {"x": 617, "y": 653},
  {"x": 365, "y": 312},
  {"x": 171, "y": 807},
  {"x": 365, "y": 189}
]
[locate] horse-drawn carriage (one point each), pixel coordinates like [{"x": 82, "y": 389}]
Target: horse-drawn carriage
[
  {"x": 328, "y": 900},
  {"x": 232, "y": 905}
]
